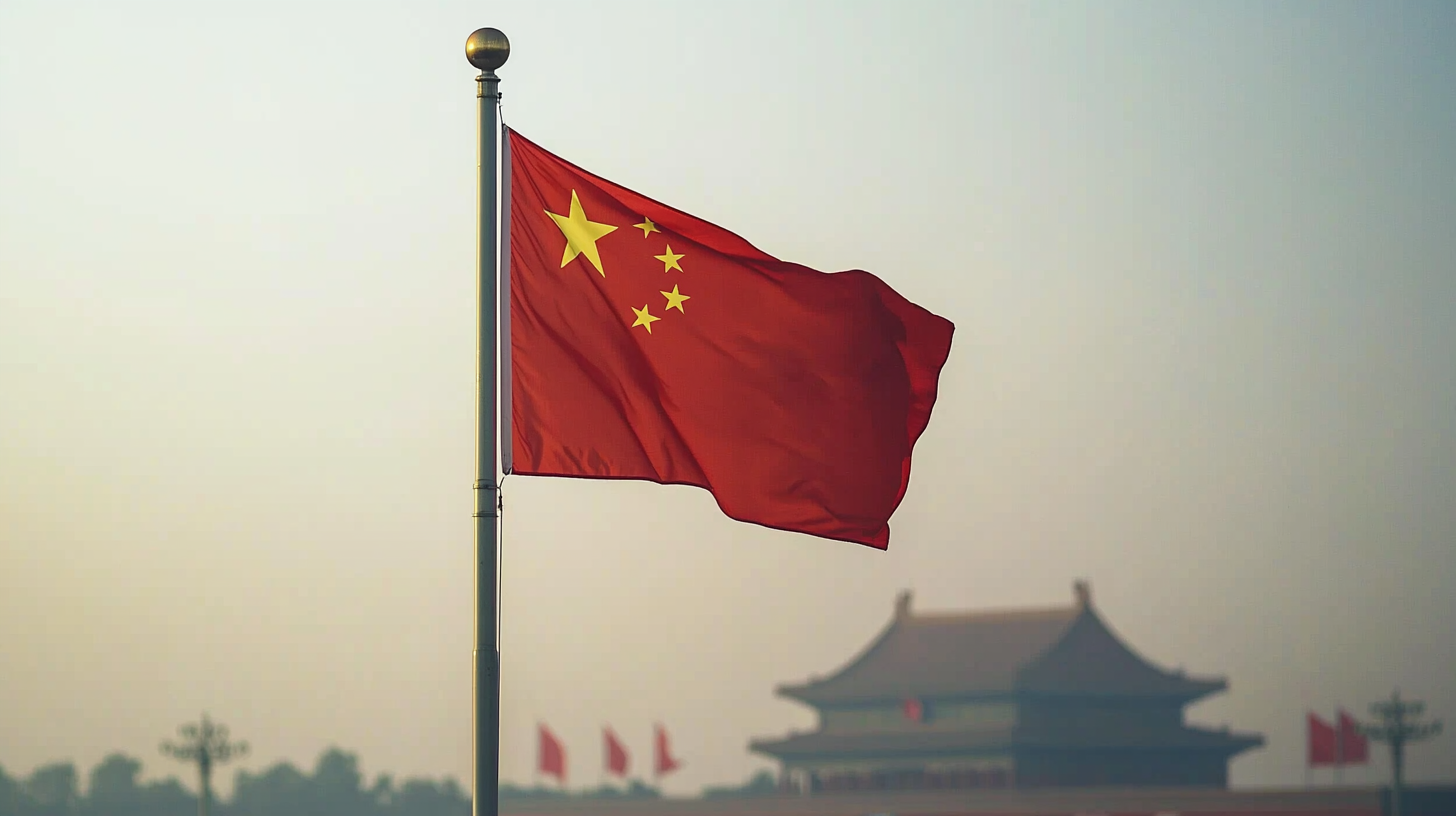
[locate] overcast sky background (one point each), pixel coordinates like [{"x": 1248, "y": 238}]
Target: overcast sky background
[{"x": 1199, "y": 257}]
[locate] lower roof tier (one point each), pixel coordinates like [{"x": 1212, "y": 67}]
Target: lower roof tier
[{"x": 929, "y": 742}]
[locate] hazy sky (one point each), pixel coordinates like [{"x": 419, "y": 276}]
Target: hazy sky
[{"x": 1199, "y": 257}]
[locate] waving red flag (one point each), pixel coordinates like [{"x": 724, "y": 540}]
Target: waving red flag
[
  {"x": 1354, "y": 747},
  {"x": 551, "y": 757},
  {"x": 648, "y": 344},
  {"x": 616, "y": 753},
  {"x": 1321, "y": 741},
  {"x": 665, "y": 762}
]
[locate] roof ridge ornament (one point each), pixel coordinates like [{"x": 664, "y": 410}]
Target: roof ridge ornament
[{"x": 1082, "y": 591}]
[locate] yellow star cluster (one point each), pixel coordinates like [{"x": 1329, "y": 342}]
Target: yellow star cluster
[{"x": 581, "y": 236}]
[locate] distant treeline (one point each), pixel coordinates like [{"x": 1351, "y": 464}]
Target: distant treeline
[{"x": 335, "y": 788}]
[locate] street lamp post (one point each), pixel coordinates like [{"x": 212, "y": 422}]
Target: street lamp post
[
  {"x": 205, "y": 743},
  {"x": 1398, "y": 727}
]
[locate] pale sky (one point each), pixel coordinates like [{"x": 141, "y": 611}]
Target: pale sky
[{"x": 1199, "y": 257}]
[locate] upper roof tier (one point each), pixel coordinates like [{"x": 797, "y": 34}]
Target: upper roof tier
[{"x": 1061, "y": 651}]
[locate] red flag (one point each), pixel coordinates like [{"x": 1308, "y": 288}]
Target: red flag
[
  {"x": 616, "y": 753},
  {"x": 1321, "y": 741},
  {"x": 665, "y": 762},
  {"x": 1354, "y": 747},
  {"x": 551, "y": 758},
  {"x": 649, "y": 344},
  {"x": 914, "y": 710}
]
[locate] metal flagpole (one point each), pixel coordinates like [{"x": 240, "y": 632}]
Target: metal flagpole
[
  {"x": 1339, "y": 746},
  {"x": 486, "y": 49}
]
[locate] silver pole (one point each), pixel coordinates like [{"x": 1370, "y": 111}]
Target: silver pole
[{"x": 486, "y": 49}]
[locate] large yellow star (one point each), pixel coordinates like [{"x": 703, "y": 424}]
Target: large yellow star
[
  {"x": 669, "y": 260},
  {"x": 674, "y": 300},
  {"x": 581, "y": 234},
  {"x": 647, "y": 226},
  {"x": 644, "y": 319}
]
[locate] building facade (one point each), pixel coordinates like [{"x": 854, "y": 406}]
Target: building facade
[{"x": 1025, "y": 699}]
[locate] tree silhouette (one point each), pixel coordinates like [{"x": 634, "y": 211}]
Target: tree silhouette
[
  {"x": 206, "y": 744},
  {"x": 277, "y": 791},
  {"x": 115, "y": 790},
  {"x": 114, "y": 785},
  {"x": 55, "y": 789},
  {"x": 336, "y": 787},
  {"x": 10, "y": 794}
]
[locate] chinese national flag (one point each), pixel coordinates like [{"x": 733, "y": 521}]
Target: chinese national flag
[
  {"x": 551, "y": 758},
  {"x": 649, "y": 344},
  {"x": 1354, "y": 746},
  {"x": 1321, "y": 741},
  {"x": 665, "y": 762},
  {"x": 616, "y": 753}
]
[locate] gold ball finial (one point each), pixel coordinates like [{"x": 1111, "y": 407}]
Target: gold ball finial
[{"x": 487, "y": 49}]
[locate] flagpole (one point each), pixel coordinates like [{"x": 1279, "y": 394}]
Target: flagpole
[
  {"x": 486, "y": 49},
  {"x": 1339, "y": 746}
]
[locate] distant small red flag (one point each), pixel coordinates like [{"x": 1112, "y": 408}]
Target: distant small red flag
[
  {"x": 551, "y": 758},
  {"x": 1354, "y": 747},
  {"x": 616, "y": 753},
  {"x": 1321, "y": 741},
  {"x": 914, "y": 710},
  {"x": 665, "y": 762}
]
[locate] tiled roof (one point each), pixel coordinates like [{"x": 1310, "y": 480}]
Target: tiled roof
[
  {"x": 1065, "y": 650},
  {"x": 1090, "y": 659},
  {"x": 930, "y": 741}
]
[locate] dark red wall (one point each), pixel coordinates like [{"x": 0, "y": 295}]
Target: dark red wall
[{"x": 1163, "y": 768}]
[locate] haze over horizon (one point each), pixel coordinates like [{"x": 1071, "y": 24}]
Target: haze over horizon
[{"x": 1199, "y": 259}]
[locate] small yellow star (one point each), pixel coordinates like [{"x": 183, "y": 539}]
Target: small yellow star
[
  {"x": 581, "y": 234},
  {"x": 675, "y": 300},
  {"x": 644, "y": 319},
  {"x": 669, "y": 260},
  {"x": 647, "y": 226}
]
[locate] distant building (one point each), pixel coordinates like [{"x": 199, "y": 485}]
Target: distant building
[{"x": 1026, "y": 699}]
